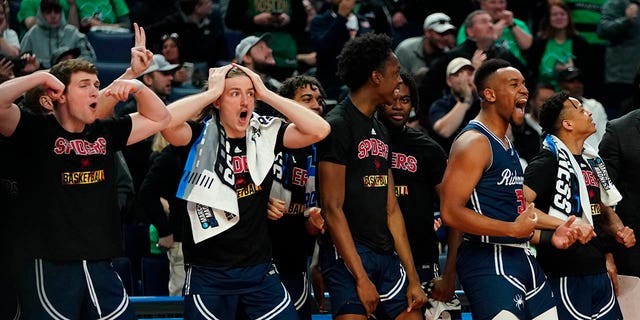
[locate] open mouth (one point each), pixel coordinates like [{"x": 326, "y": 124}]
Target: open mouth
[
  {"x": 93, "y": 105},
  {"x": 521, "y": 104},
  {"x": 243, "y": 115}
]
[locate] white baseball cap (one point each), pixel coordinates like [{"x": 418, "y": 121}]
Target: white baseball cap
[
  {"x": 438, "y": 22},
  {"x": 458, "y": 63},
  {"x": 160, "y": 64},
  {"x": 249, "y": 42}
]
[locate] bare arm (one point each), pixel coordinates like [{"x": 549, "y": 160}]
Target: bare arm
[
  {"x": 451, "y": 121},
  {"x": 178, "y": 132},
  {"x": 415, "y": 296},
  {"x": 306, "y": 128},
  {"x": 614, "y": 226},
  {"x": 72, "y": 19},
  {"x": 332, "y": 188},
  {"x": 469, "y": 157},
  {"x": 141, "y": 59},
  {"x": 12, "y": 89}
]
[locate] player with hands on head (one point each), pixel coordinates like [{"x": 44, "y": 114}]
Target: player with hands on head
[{"x": 226, "y": 247}]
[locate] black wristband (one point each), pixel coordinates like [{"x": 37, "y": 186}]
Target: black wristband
[{"x": 545, "y": 237}]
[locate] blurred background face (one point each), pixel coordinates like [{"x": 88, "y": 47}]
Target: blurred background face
[
  {"x": 261, "y": 57},
  {"x": 441, "y": 40},
  {"x": 161, "y": 82},
  {"x": 494, "y": 7},
  {"x": 558, "y": 18},
  {"x": 482, "y": 28},
  {"x": 170, "y": 50},
  {"x": 52, "y": 17},
  {"x": 204, "y": 8},
  {"x": 460, "y": 80},
  {"x": 536, "y": 103}
]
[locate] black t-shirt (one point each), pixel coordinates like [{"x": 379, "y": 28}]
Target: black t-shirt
[
  {"x": 418, "y": 164},
  {"x": 291, "y": 242},
  {"x": 579, "y": 259},
  {"x": 246, "y": 243},
  {"x": 68, "y": 186},
  {"x": 361, "y": 144}
]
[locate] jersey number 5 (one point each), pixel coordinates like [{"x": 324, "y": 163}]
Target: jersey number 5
[{"x": 522, "y": 206}]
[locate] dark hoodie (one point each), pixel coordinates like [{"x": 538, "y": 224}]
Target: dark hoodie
[{"x": 43, "y": 39}]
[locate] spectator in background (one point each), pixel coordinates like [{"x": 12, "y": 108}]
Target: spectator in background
[
  {"x": 255, "y": 53},
  {"x": 620, "y": 25},
  {"x": 9, "y": 43},
  {"x": 27, "y": 15},
  {"x": 451, "y": 113},
  {"x": 64, "y": 53},
  {"x": 586, "y": 16},
  {"x": 571, "y": 81},
  {"x": 527, "y": 137},
  {"x": 620, "y": 152},
  {"x": 330, "y": 31},
  {"x": 158, "y": 79},
  {"x": 480, "y": 45},
  {"x": 418, "y": 53},
  {"x": 285, "y": 20},
  {"x": 186, "y": 75},
  {"x": 200, "y": 30},
  {"x": 51, "y": 32},
  {"x": 103, "y": 14},
  {"x": 558, "y": 46},
  {"x": 512, "y": 33}
]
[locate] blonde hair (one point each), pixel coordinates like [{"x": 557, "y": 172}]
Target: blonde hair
[{"x": 159, "y": 143}]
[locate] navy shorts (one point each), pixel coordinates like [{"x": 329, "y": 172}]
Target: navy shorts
[
  {"x": 384, "y": 270},
  {"x": 586, "y": 297},
  {"x": 499, "y": 278},
  {"x": 218, "y": 293},
  {"x": 297, "y": 283},
  {"x": 73, "y": 290}
]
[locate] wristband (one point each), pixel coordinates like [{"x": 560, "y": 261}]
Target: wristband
[
  {"x": 139, "y": 86},
  {"x": 511, "y": 26},
  {"x": 545, "y": 237}
]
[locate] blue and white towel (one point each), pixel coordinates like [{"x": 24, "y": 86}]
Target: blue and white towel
[{"x": 208, "y": 180}]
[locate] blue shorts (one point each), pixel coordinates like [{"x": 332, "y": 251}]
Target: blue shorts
[
  {"x": 218, "y": 293},
  {"x": 384, "y": 270},
  {"x": 297, "y": 283},
  {"x": 73, "y": 290},
  {"x": 502, "y": 277},
  {"x": 586, "y": 297}
]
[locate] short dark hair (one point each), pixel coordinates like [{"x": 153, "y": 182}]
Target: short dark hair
[
  {"x": 187, "y": 6},
  {"x": 408, "y": 81},
  {"x": 486, "y": 70},
  {"x": 65, "y": 69},
  {"x": 361, "y": 56},
  {"x": 468, "y": 21},
  {"x": 290, "y": 85},
  {"x": 50, "y": 5},
  {"x": 551, "y": 110}
]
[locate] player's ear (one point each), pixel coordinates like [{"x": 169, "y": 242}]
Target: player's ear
[
  {"x": 489, "y": 95},
  {"x": 375, "y": 77}
]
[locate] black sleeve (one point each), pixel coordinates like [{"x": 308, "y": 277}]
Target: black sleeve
[
  {"x": 436, "y": 162},
  {"x": 610, "y": 150},
  {"x": 120, "y": 130},
  {"x": 335, "y": 147},
  {"x": 540, "y": 176}
]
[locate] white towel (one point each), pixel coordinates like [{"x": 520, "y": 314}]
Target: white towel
[{"x": 208, "y": 181}]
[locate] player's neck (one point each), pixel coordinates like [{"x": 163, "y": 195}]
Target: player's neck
[
  {"x": 364, "y": 101},
  {"x": 574, "y": 144},
  {"x": 66, "y": 121},
  {"x": 495, "y": 124}
]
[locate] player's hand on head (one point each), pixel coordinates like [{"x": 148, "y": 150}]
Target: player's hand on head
[
  {"x": 141, "y": 57},
  {"x": 525, "y": 223},
  {"x": 259, "y": 87},
  {"x": 52, "y": 86},
  {"x": 215, "y": 82},
  {"x": 120, "y": 89}
]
